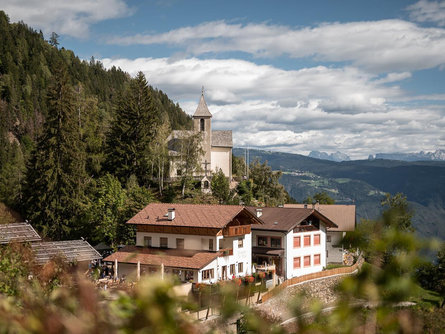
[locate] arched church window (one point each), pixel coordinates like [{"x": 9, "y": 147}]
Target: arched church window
[
  {"x": 201, "y": 127},
  {"x": 206, "y": 184}
]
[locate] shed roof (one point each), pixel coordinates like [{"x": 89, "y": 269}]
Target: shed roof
[
  {"x": 340, "y": 214},
  {"x": 190, "y": 215},
  {"x": 285, "y": 219},
  {"x": 169, "y": 257},
  {"x": 222, "y": 138},
  {"x": 73, "y": 250},
  {"x": 17, "y": 232}
]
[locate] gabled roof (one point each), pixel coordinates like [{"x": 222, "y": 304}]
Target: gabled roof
[
  {"x": 190, "y": 215},
  {"x": 222, "y": 138},
  {"x": 73, "y": 250},
  {"x": 169, "y": 257},
  {"x": 285, "y": 219},
  {"x": 340, "y": 214},
  {"x": 202, "y": 110},
  {"x": 17, "y": 232}
]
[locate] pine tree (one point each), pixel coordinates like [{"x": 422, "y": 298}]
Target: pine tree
[
  {"x": 133, "y": 128},
  {"x": 56, "y": 173},
  {"x": 220, "y": 186}
]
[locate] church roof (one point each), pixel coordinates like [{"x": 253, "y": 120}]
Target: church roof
[
  {"x": 222, "y": 138},
  {"x": 202, "y": 110}
]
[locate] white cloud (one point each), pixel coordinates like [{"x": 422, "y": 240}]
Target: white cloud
[
  {"x": 66, "y": 17},
  {"x": 428, "y": 11},
  {"x": 319, "y": 108},
  {"x": 382, "y": 46}
]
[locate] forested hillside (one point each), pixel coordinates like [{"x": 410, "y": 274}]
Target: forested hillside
[
  {"x": 365, "y": 183},
  {"x": 60, "y": 117}
]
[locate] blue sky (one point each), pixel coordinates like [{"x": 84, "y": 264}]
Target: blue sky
[{"x": 360, "y": 77}]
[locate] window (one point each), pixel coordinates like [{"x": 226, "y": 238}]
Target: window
[
  {"x": 232, "y": 269},
  {"x": 178, "y": 172},
  {"x": 240, "y": 243},
  {"x": 275, "y": 242},
  {"x": 297, "y": 242},
  {"x": 189, "y": 275},
  {"x": 307, "y": 261},
  {"x": 316, "y": 239},
  {"x": 164, "y": 243},
  {"x": 316, "y": 259},
  {"x": 211, "y": 244},
  {"x": 262, "y": 241},
  {"x": 207, "y": 274},
  {"x": 180, "y": 243},
  {"x": 297, "y": 262},
  {"x": 201, "y": 124},
  {"x": 307, "y": 240},
  {"x": 240, "y": 268},
  {"x": 147, "y": 241},
  {"x": 328, "y": 238}
]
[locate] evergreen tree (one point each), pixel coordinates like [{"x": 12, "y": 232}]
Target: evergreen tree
[
  {"x": 133, "y": 128},
  {"x": 321, "y": 197},
  {"x": 220, "y": 187},
  {"x": 56, "y": 173},
  {"x": 266, "y": 187}
]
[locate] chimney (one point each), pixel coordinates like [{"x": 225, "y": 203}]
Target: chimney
[
  {"x": 171, "y": 214},
  {"x": 259, "y": 213}
]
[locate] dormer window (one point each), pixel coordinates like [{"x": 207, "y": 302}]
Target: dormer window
[{"x": 201, "y": 124}]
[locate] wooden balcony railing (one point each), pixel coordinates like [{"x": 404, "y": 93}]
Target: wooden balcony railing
[
  {"x": 234, "y": 231},
  {"x": 226, "y": 252}
]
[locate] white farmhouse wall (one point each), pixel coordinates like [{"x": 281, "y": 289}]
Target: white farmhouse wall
[
  {"x": 335, "y": 252},
  {"x": 220, "y": 159},
  {"x": 303, "y": 251},
  {"x": 193, "y": 242}
]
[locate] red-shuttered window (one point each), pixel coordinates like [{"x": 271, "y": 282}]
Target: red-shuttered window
[
  {"x": 297, "y": 262},
  {"x": 316, "y": 259},
  {"x": 297, "y": 242},
  {"x": 307, "y": 261},
  {"x": 307, "y": 240},
  {"x": 316, "y": 239}
]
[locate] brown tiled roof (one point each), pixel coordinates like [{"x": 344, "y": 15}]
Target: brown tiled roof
[
  {"x": 202, "y": 110},
  {"x": 17, "y": 232},
  {"x": 169, "y": 257},
  {"x": 188, "y": 215},
  {"x": 285, "y": 219},
  {"x": 222, "y": 138},
  {"x": 342, "y": 215}
]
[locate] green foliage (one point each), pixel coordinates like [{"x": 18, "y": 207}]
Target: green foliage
[
  {"x": 238, "y": 168},
  {"x": 266, "y": 187},
  {"x": 397, "y": 206},
  {"x": 321, "y": 197},
  {"x": 220, "y": 187},
  {"x": 14, "y": 268},
  {"x": 132, "y": 131},
  {"x": 244, "y": 191},
  {"x": 56, "y": 174}
]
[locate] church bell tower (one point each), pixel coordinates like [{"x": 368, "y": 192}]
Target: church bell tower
[{"x": 202, "y": 122}]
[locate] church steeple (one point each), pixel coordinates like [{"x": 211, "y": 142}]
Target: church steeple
[{"x": 202, "y": 110}]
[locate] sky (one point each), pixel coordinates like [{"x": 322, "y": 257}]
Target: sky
[{"x": 356, "y": 76}]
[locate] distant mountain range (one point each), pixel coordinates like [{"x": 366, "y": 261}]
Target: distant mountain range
[
  {"x": 438, "y": 155},
  {"x": 337, "y": 156},
  {"x": 364, "y": 183}
]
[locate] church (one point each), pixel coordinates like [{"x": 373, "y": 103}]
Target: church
[{"x": 216, "y": 144}]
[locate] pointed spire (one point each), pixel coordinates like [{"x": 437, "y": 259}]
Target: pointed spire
[{"x": 202, "y": 110}]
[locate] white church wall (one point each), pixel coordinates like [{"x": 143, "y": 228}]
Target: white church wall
[{"x": 221, "y": 159}]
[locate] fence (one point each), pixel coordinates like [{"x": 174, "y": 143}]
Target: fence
[{"x": 308, "y": 277}]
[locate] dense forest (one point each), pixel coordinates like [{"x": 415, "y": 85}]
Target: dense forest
[{"x": 82, "y": 148}]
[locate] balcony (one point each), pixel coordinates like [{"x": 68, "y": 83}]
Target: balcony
[
  {"x": 234, "y": 231},
  {"x": 226, "y": 252}
]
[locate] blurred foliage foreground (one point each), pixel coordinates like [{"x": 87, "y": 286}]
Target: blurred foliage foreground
[{"x": 372, "y": 301}]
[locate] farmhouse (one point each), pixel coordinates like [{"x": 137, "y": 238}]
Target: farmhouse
[
  {"x": 293, "y": 239},
  {"x": 344, "y": 217},
  {"x": 198, "y": 243}
]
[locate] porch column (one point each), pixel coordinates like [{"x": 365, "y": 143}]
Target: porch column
[
  {"x": 139, "y": 270},
  {"x": 162, "y": 271},
  {"x": 115, "y": 269}
]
